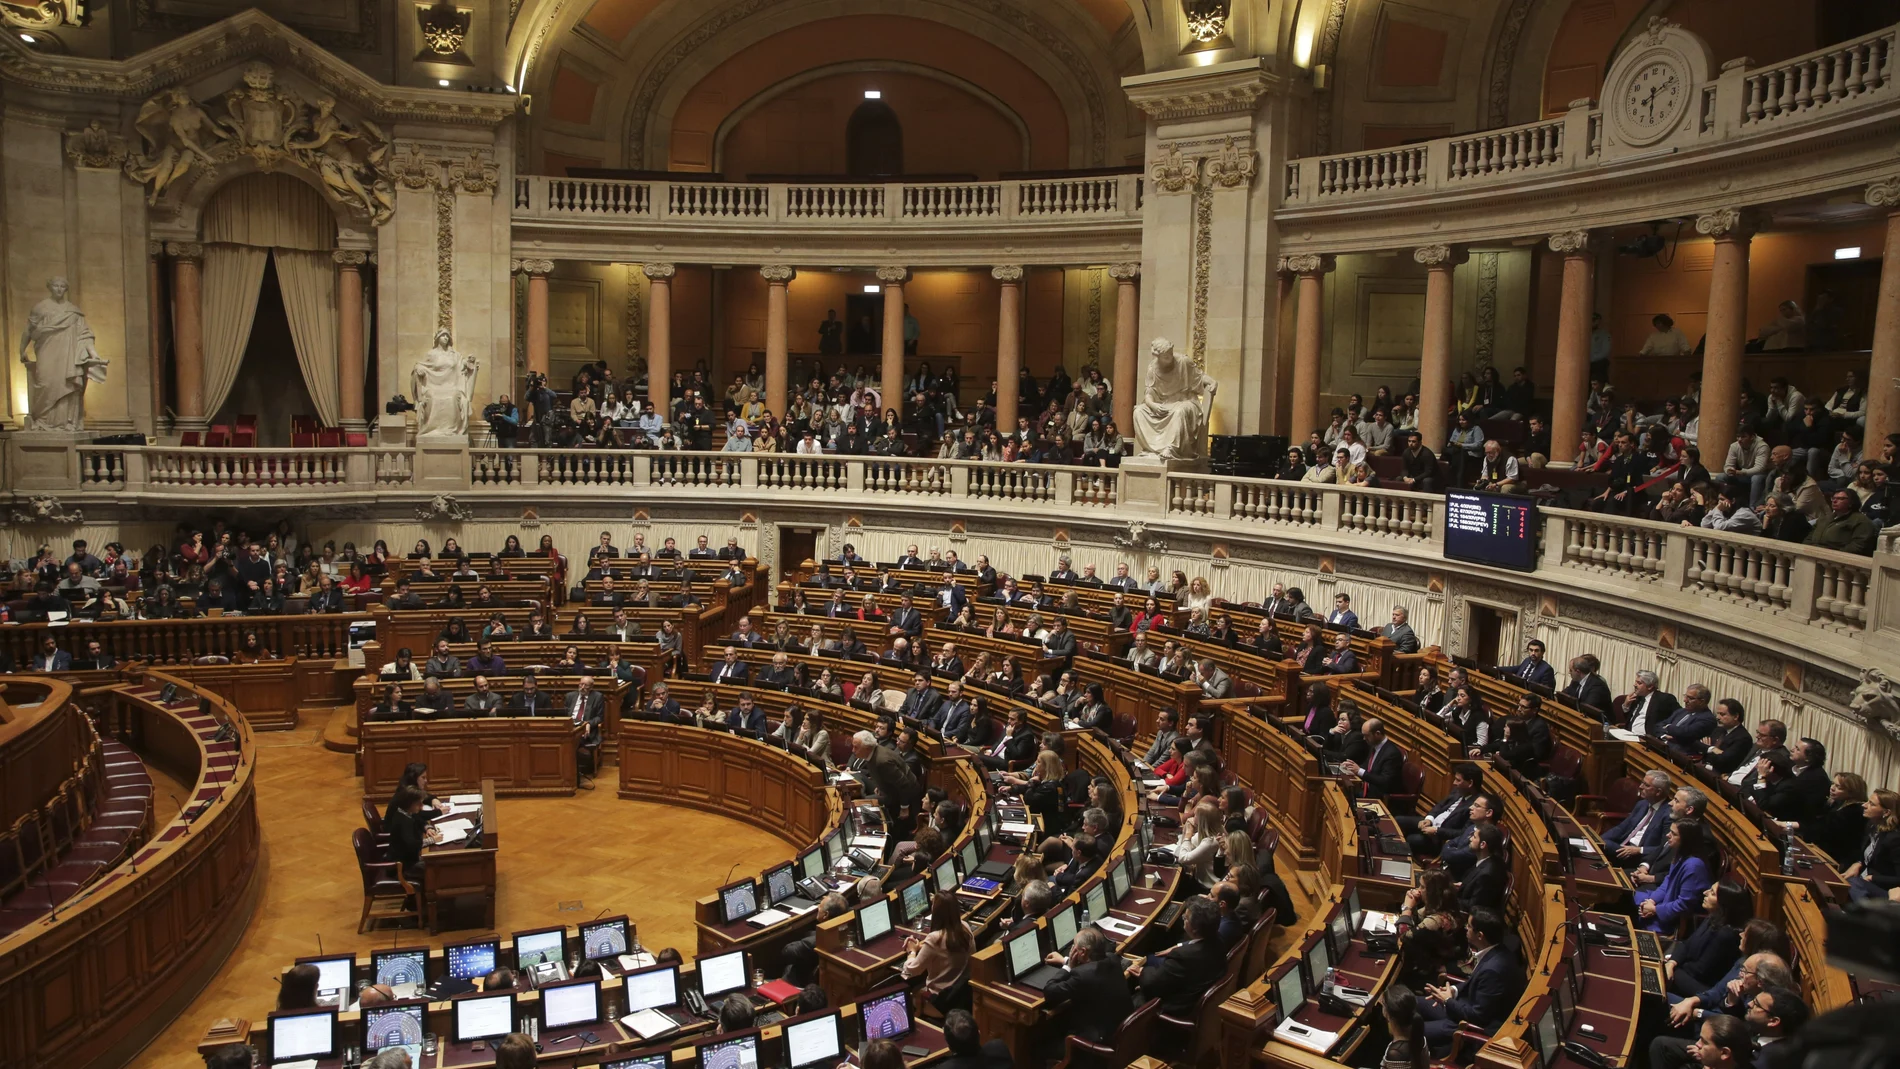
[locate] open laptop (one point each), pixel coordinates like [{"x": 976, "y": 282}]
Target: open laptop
[{"x": 1023, "y": 953}]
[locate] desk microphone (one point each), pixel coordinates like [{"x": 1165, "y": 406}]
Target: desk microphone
[{"x": 722, "y": 882}]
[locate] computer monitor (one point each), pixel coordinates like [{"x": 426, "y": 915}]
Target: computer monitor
[
  {"x": 781, "y": 883},
  {"x": 984, "y": 835},
  {"x": 645, "y": 1061},
  {"x": 1550, "y": 1035},
  {"x": 1319, "y": 958},
  {"x": 1117, "y": 883},
  {"x": 302, "y": 1034},
  {"x": 737, "y": 901},
  {"x": 739, "y": 1052},
  {"x": 540, "y": 946},
  {"x": 1290, "y": 991},
  {"x": 1339, "y": 932},
  {"x": 484, "y": 1016},
  {"x": 649, "y": 989},
  {"x": 604, "y": 939},
  {"x": 471, "y": 961},
  {"x": 874, "y": 920},
  {"x": 813, "y": 1042},
  {"x": 1095, "y": 898},
  {"x": 1023, "y": 951},
  {"x": 721, "y": 973},
  {"x": 886, "y": 1015},
  {"x": 969, "y": 856},
  {"x": 403, "y": 965},
  {"x": 811, "y": 864},
  {"x": 946, "y": 875},
  {"x": 394, "y": 1024},
  {"x": 1353, "y": 908},
  {"x": 1563, "y": 994},
  {"x": 834, "y": 847},
  {"x": 913, "y": 901},
  {"x": 1062, "y": 927},
  {"x": 1131, "y": 865},
  {"x": 333, "y": 973},
  {"x": 1145, "y": 834},
  {"x": 572, "y": 1003}
]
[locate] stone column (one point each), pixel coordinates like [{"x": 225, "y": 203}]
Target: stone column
[
  {"x": 155, "y": 318},
  {"x": 1127, "y": 329},
  {"x": 1309, "y": 333},
  {"x": 536, "y": 328},
  {"x": 349, "y": 337},
  {"x": 777, "y": 345},
  {"x": 660, "y": 337},
  {"x": 1434, "y": 366},
  {"x": 188, "y": 331},
  {"x": 892, "y": 375},
  {"x": 1570, "y": 386},
  {"x": 1883, "y": 394},
  {"x": 1009, "y": 344},
  {"x": 1727, "y": 330}
]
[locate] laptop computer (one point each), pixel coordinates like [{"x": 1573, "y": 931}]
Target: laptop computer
[{"x": 1023, "y": 952}]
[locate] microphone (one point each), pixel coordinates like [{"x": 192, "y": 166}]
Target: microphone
[{"x": 725, "y": 880}]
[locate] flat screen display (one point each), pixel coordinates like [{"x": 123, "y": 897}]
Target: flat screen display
[
  {"x": 812, "y": 864},
  {"x": 470, "y": 961},
  {"x": 780, "y": 884},
  {"x": 605, "y": 939},
  {"x": 333, "y": 974},
  {"x": 409, "y": 965},
  {"x": 484, "y": 1016},
  {"x": 914, "y": 900},
  {"x": 563, "y": 1005},
  {"x": 741, "y": 1053},
  {"x": 1096, "y": 899},
  {"x": 1290, "y": 992},
  {"x": 1340, "y": 932},
  {"x": 946, "y": 875},
  {"x": 393, "y": 1026},
  {"x": 1024, "y": 951},
  {"x": 721, "y": 973},
  {"x": 813, "y": 1042},
  {"x": 1549, "y": 1036},
  {"x": 1318, "y": 960},
  {"x": 1117, "y": 883},
  {"x": 874, "y": 920},
  {"x": 651, "y": 1061},
  {"x": 1062, "y": 926},
  {"x": 834, "y": 847},
  {"x": 969, "y": 856},
  {"x": 1492, "y": 529},
  {"x": 649, "y": 989},
  {"x": 739, "y": 901},
  {"x": 886, "y": 1016},
  {"x": 303, "y": 1035},
  {"x": 1353, "y": 909},
  {"x": 540, "y": 947}
]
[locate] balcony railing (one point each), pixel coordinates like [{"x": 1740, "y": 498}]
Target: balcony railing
[
  {"x": 1104, "y": 198},
  {"x": 1740, "y": 102}
]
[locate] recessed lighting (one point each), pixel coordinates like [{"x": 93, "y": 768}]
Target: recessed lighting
[
  {"x": 443, "y": 82},
  {"x": 874, "y": 94},
  {"x": 873, "y": 289},
  {"x": 29, "y": 39},
  {"x": 1850, "y": 253},
  {"x": 511, "y": 89}
]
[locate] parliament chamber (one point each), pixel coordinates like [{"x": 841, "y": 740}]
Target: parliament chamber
[{"x": 1332, "y": 532}]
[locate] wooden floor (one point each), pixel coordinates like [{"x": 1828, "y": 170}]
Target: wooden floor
[{"x": 563, "y": 860}]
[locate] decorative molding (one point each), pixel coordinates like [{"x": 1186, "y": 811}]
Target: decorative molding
[
  {"x": 778, "y": 274},
  {"x": 1571, "y": 242},
  {"x": 1325, "y": 51},
  {"x": 444, "y": 30},
  {"x": 893, "y": 274},
  {"x": 1439, "y": 255},
  {"x": 1005, "y": 273},
  {"x": 151, "y": 16},
  {"x": 1176, "y": 95},
  {"x": 45, "y": 508},
  {"x": 190, "y": 251},
  {"x": 154, "y": 249},
  {"x": 1885, "y": 193},
  {"x": 1653, "y": 35},
  {"x": 1135, "y": 537},
  {"x": 634, "y": 334},
  {"x": 46, "y": 14},
  {"x": 444, "y": 507},
  {"x": 1484, "y": 343},
  {"x": 1175, "y": 173},
  {"x": 474, "y": 173},
  {"x": 349, "y": 257},
  {"x": 1231, "y": 167},
  {"x": 1127, "y": 272},
  {"x": 444, "y": 260},
  {"x": 658, "y": 272},
  {"x": 1733, "y": 224},
  {"x": 96, "y": 148},
  {"x": 534, "y": 267},
  {"x": 1503, "y": 61},
  {"x": 1093, "y": 334},
  {"x": 1310, "y": 264},
  {"x": 1203, "y": 267}
]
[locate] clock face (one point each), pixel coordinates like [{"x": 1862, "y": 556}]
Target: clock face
[{"x": 1655, "y": 96}]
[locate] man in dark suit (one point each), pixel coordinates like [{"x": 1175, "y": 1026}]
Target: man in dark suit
[
  {"x": 701, "y": 551},
  {"x": 946, "y": 663},
  {"x": 1730, "y": 742},
  {"x": 731, "y": 550},
  {"x": 1179, "y": 977},
  {"x": 1092, "y": 987},
  {"x": 747, "y": 716},
  {"x": 1533, "y": 668},
  {"x": 1342, "y": 615},
  {"x": 51, "y": 658},
  {"x": 1483, "y": 1001},
  {"x": 1483, "y": 887},
  {"x": 889, "y": 777},
  {"x": 1685, "y": 729},
  {"x": 951, "y": 596},
  {"x": 661, "y": 706},
  {"x": 906, "y": 620},
  {"x": 1811, "y": 781},
  {"x": 585, "y": 706},
  {"x": 1645, "y": 706},
  {"x": 1587, "y": 688},
  {"x": 1122, "y": 580},
  {"x": 910, "y": 559},
  {"x": 529, "y": 701},
  {"x": 1385, "y": 763},
  {"x": 731, "y": 669},
  {"x": 1643, "y": 835},
  {"x": 1060, "y": 642},
  {"x": 1428, "y": 834},
  {"x": 921, "y": 700},
  {"x": 953, "y": 716},
  {"x": 778, "y": 673},
  {"x": 1017, "y": 747},
  {"x": 967, "y": 1049},
  {"x": 1456, "y": 855}
]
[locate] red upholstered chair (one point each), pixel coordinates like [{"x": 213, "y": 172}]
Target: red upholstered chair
[
  {"x": 219, "y": 436},
  {"x": 1194, "y": 1034},
  {"x": 355, "y": 438},
  {"x": 1129, "y": 1042},
  {"x": 244, "y": 432},
  {"x": 330, "y": 438},
  {"x": 1411, "y": 779},
  {"x": 1610, "y": 807},
  {"x": 191, "y": 439}
]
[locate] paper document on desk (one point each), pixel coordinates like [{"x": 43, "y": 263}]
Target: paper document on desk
[
  {"x": 1151, "y": 784},
  {"x": 649, "y": 1024},
  {"x": 466, "y": 799},
  {"x": 1117, "y": 926},
  {"x": 1019, "y": 829},
  {"x": 1623, "y": 736},
  {"x": 765, "y": 918},
  {"x": 1305, "y": 1036},
  {"x": 1582, "y": 846},
  {"x": 630, "y": 962},
  {"x": 870, "y": 844},
  {"x": 1377, "y": 923},
  {"x": 454, "y": 829}
]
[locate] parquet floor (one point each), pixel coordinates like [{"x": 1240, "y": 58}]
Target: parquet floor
[{"x": 563, "y": 860}]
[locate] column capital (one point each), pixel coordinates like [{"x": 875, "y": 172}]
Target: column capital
[
  {"x": 154, "y": 249},
  {"x": 1124, "y": 272},
  {"x": 1309, "y": 264},
  {"x": 777, "y": 274},
  {"x": 185, "y": 250},
  {"x": 533, "y": 267},
  {"x": 1439, "y": 255},
  {"x": 658, "y": 272},
  {"x": 893, "y": 274},
  {"x": 1736, "y": 224},
  {"x": 350, "y": 257},
  {"x": 1572, "y": 242},
  {"x": 1007, "y": 272},
  {"x": 1885, "y": 193}
]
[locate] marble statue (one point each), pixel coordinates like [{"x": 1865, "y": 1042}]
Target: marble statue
[
  {"x": 443, "y": 383},
  {"x": 1171, "y": 420},
  {"x": 64, "y": 360}
]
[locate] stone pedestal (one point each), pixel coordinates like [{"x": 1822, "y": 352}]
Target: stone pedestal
[
  {"x": 1145, "y": 482},
  {"x": 441, "y": 462},
  {"x": 44, "y": 460}
]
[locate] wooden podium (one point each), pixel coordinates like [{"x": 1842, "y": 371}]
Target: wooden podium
[{"x": 457, "y": 879}]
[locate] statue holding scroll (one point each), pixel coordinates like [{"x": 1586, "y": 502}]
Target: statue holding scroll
[
  {"x": 64, "y": 360},
  {"x": 1171, "y": 420}
]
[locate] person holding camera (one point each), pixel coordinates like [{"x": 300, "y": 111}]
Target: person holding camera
[{"x": 504, "y": 421}]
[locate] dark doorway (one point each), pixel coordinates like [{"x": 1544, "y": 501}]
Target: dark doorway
[
  {"x": 1855, "y": 285},
  {"x": 269, "y": 383},
  {"x": 1487, "y": 624},
  {"x": 796, "y": 545},
  {"x": 864, "y": 322},
  {"x": 873, "y": 141}
]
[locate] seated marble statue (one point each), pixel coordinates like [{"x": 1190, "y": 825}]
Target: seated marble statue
[
  {"x": 1171, "y": 420},
  {"x": 443, "y": 382}
]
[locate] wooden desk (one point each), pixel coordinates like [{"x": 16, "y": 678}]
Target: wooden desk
[
  {"x": 517, "y": 754},
  {"x": 454, "y": 877},
  {"x": 736, "y": 777}
]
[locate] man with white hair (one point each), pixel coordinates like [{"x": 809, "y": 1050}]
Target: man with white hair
[
  {"x": 1400, "y": 630},
  {"x": 1645, "y": 706},
  {"x": 389, "y": 1058}
]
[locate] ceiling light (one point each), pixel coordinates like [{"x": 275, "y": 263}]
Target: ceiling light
[
  {"x": 443, "y": 82},
  {"x": 1850, "y": 253},
  {"x": 29, "y": 39},
  {"x": 873, "y": 289},
  {"x": 874, "y": 94}
]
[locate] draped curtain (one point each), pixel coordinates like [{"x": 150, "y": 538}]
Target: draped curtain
[{"x": 256, "y": 216}]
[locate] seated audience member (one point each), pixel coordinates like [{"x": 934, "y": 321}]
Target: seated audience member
[
  {"x": 1484, "y": 883},
  {"x": 1680, "y": 892},
  {"x": 736, "y": 1013},
  {"x": 1484, "y": 1000},
  {"x": 1179, "y": 977},
  {"x": 1428, "y": 834},
  {"x": 297, "y": 988},
  {"x": 1456, "y": 855},
  {"x": 1092, "y": 987},
  {"x": 1840, "y": 827},
  {"x": 1383, "y": 768},
  {"x": 1695, "y": 961},
  {"x": 1876, "y": 873},
  {"x": 1642, "y": 836},
  {"x": 942, "y": 957}
]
